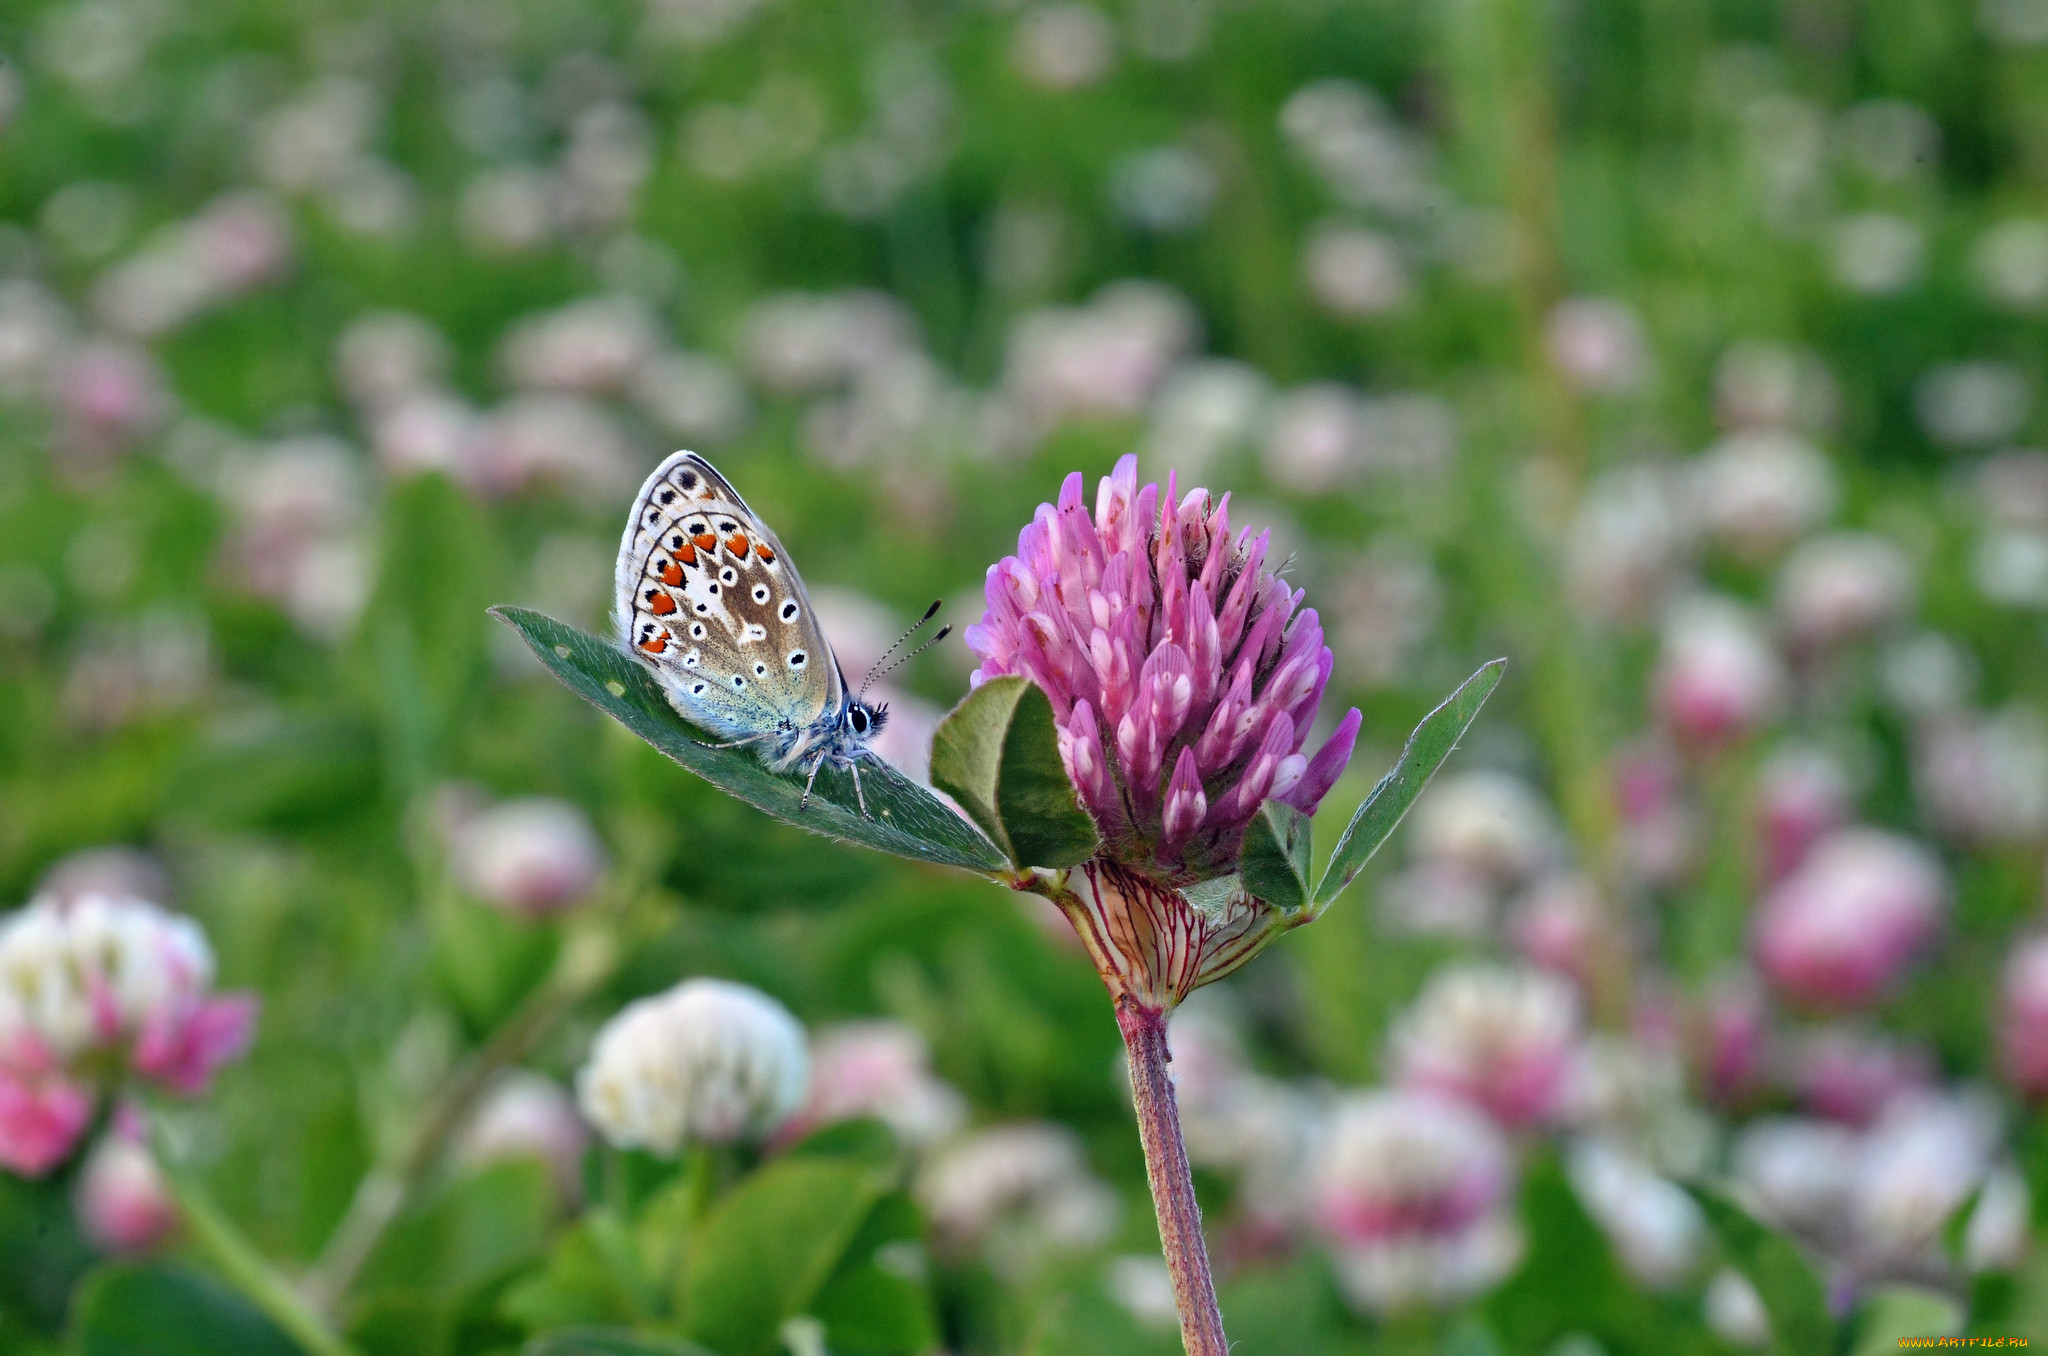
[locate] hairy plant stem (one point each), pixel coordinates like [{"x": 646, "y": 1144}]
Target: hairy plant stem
[
  {"x": 1173, "y": 1186},
  {"x": 244, "y": 1267},
  {"x": 587, "y": 960}
]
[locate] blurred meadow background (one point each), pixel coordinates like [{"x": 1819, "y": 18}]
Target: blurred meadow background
[{"x": 1689, "y": 354}]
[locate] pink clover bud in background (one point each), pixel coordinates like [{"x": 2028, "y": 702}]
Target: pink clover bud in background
[{"x": 1839, "y": 931}]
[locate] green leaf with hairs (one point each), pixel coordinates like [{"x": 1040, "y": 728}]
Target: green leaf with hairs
[
  {"x": 1390, "y": 801},
  {"x": 998, "y": 755},
  {"x": 906, "y": 819},
  {"x": 1275, "y": 863}
]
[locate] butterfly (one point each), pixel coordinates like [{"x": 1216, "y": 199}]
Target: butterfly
[{"x": 711, "y": 602}]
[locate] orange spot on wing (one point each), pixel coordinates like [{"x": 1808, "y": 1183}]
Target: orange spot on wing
[
  {"x": 672, "y": 574},
  {"x": 662, "y": 605},
  {"x": 764, "y": 553},
  {"x": 687, "y": 554},
  {"x": 655, "y": 646},
  {"x": 706, "y": 541},
  {"x": 737, "y": 544}
]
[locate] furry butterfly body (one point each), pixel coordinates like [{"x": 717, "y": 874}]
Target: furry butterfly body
[{"x": 709, "y": 599}]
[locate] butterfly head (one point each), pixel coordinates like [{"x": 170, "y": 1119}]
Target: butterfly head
[{"x": 863, "y": 721}]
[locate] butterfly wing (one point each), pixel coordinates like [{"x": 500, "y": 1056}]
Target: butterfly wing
[{"x": 709, "y": 598}]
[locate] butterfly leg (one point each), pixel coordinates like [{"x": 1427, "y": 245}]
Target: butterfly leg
[
  {"x": 735, "y": 743},
  {"x": 817, "y": 766},
  {"x": 853, "y": 764}
]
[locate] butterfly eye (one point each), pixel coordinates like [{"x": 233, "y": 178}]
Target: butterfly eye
[
  {"x": 668, "y": 496},
  {"x": 688, "y": 479},
  {"x": 738, "y": 682},
  {"x": 796, "y": 659},
  {"x": 760, "y": 593},
  {"x": 788, "y": 611},
  {"x": 696, "y": 629},
  {"x": 760, "y": 669},
  {"x": 728, "y": 574},
  {"x": 696, "y": 689}
]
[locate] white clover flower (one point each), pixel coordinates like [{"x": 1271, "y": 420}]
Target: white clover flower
[
  {"x": 1843, "y": 586},
  {"x": 1491, "y": 823},
  {"x": 1103, "y": 359},
  {"x": 1758, "y": 490},
  {"x": 385, "y": 356},
  {"x": 1973, "y": 404},
  {"x": 92, "y": 988},
  {"x": 1063, "y": 47},
  {"x": 1502, "y": 1039},
  {"x": 591, "y": 346},
  {"x": 1413, "y": 1193},
  {"x": 1017, "y": 1192},
  {"x": 707, "y": 1060},
  {"x": 1796, "y": 1173},
  {"x": 1917, "y": 1167},
  {"x": 1877, "y": 254},
  {"x": 69, "y": 973}
]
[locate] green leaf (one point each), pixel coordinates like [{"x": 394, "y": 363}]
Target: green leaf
[
  {"x": 1792, "y": 1295},
  {"x": 1891, "y": 1312},
  {"x": 1570, "y": 1281},
  {"x": 592, "y": 1275},
  {"x": 1389, "y": 802},
  {"x": 478, "y": 1228},
  {"x": 878, "y": 1303},
  {"x": 45, "y": 1254},
  {"x": 766, "y": 1251},
  {"x": 424, "y": 628},
  {"x": 608, "y": 1342},
  {"x": 998, "y": 755},
  {"x": 159, "y": 1309},
  {"x": 908, "y": 820},
  {"x": 1275, "y": 864},
  {"x": 863, "y": 1140}
]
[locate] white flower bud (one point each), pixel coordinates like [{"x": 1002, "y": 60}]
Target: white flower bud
[
  {"x": 528, "y": 1115},
  {"x": 707, "y": 1060},
  {"x": 122, "y": 1201},
  {"x": 882, "y": 1069},
  {"x": 529, "y": 857},
  {"x": 1734, "y": 1311}
]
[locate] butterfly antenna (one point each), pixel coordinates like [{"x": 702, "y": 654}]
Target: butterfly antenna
[{"x": 883, "y": 665}]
